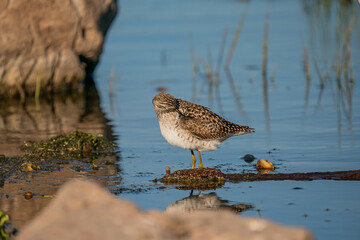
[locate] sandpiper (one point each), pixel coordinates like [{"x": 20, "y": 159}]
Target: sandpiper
[{"x": 192, "y": 126}]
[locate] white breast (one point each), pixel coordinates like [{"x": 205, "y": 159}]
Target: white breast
[{"x": 183, "y": 139}]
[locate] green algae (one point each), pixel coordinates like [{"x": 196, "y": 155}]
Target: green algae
[
  {"x": 200, "y": 179},
  {"x": 6, "y": 228},
  {"x": 77, "y": 145},
  {"x": 48, "y": 154}
]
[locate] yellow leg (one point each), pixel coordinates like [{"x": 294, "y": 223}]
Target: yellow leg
[
  {"x": 193, "y": 159},
  {"x": 200, "y": 161}
]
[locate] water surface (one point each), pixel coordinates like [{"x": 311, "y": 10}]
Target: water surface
[{"x": 303, "y": 124}]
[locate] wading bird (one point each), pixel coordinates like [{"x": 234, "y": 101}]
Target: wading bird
[{"x": 192, "y": 126}]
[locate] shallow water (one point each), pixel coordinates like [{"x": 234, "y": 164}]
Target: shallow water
[
  {"x": 301, "y": 125},
  {"x": 23, "y": 122}
]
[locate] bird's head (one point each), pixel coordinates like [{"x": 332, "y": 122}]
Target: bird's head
[{"x": 164, "y": 102}]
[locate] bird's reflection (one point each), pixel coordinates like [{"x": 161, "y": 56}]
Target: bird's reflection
[{"x": 209, "y": 201}]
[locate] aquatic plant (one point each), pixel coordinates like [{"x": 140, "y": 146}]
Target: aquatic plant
[
  {"x": 77, "y": 145},
  {"x": 6, "y": 228},
  {"x": 201, "y": 178}
]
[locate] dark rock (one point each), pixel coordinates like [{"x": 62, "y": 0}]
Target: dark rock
[{"x": 249, "y": 158}]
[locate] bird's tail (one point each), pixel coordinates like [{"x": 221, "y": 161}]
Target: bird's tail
[{"x": 239, "y": 130}]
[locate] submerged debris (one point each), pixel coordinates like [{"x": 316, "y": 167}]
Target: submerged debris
[
  {"x": 310, "y": 176},
  {"x": 200, "y": 178},
  {"x": 212, "y": 178}
]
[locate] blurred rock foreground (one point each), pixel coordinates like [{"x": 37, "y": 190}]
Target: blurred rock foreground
[
  {"x": 49, "y": 46},
  {"x": 83, "y": 210}
]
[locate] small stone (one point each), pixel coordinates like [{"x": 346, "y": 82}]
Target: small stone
[
  {"x": 28, "y": 195},
  {"x": 35, "y": 167},
  {"x": 248, "y": 158},
  {"x": 8, "y": 228},
  {"x": 264, "y": 164},
  {"x": 28, "y": 167}
]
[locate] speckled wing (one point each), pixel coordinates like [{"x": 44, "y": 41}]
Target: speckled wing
[
  {"x": 203, "y": 123},
  {"x": 195, "y": 127}
]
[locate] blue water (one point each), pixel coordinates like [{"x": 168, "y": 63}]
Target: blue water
[{"x": 147, "y": 47}]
